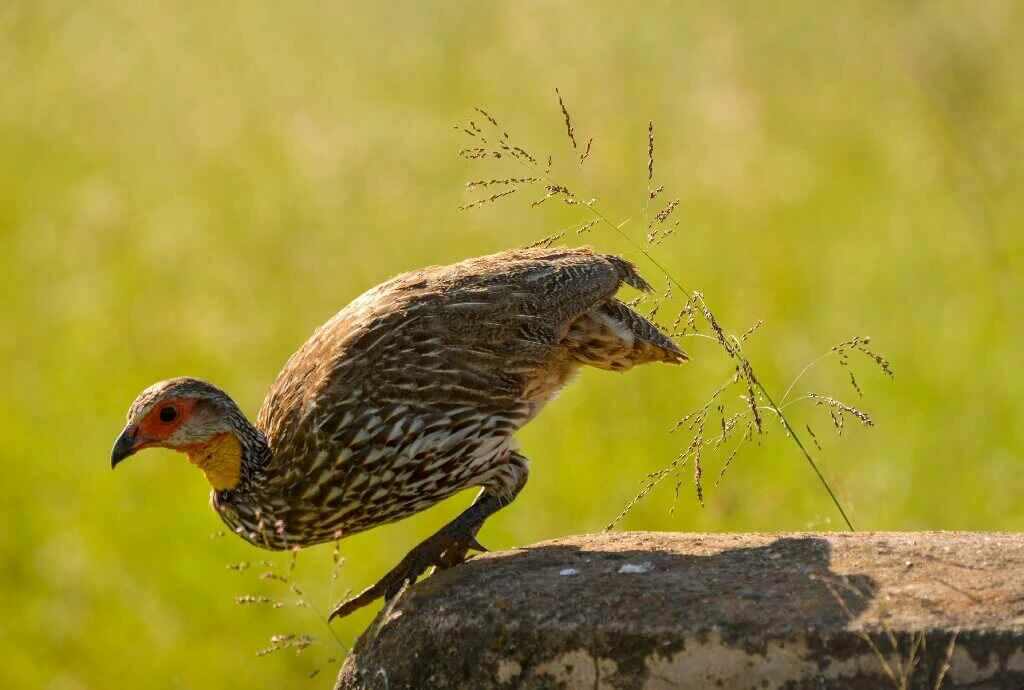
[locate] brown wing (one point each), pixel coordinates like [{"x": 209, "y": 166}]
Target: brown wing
[{"x": 469, "y": 334}]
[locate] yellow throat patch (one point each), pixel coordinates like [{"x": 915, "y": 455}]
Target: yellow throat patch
[{"x": 220, "y": 460}]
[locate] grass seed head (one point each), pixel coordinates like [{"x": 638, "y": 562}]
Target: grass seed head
[
  {"x": 747, "y": 374},
  {"x": 586, "y": 153},
  {"x": 488, "y": 200},
  {"x": 249, "y": 599},
  {"x": 838, "y": 407},
  {"x": 472, "y": 184},
  {"x": 650, "y": 153},
  {"x": 752, "y": 330},
  {"x": 853, "y": 382},
  {"x": 489, "y": 117},
  {"x": 814, "y": 437},
  {"x": 546, "y": 242},
  {"x": 568, "y": 120}
]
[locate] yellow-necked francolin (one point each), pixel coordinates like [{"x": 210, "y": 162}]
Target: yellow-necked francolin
[{"x": 408, "y": 395}]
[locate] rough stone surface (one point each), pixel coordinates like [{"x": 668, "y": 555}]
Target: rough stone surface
[{"x": 666, "y": 610}]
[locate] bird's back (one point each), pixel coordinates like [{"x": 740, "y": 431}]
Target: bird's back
[{"x": 449, "y": 361}]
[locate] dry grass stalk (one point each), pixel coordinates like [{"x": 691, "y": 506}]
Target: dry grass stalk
[
  {"x": 568, "y": 120},
  {"x": 716, "y": 328},
  {"x": 490, "y": 118},
  {"x": 662, "y": 215},
  {"x": 813, "y": 436},
  {"x": 746, "y": 437},
  {"x": 940, "y": 677},
  {"x": 507, "y": 181},
  {"x": 860, "y": 344},
  {"x": 283, "y": 575},
  {"x": 650, "y": 157},
  {"x": 557, "y": 190},
  {"x": 503, "y": 148},
  {"x": 688, "y": 313},
  {"x": 693, "y": 451},
  {"x": 747, "y": 372},
  {"x": 518, "y": 152},
  {"x": 698, "y": 472},
  {"x": 290, "y": 641},
  {"x": 647, "y": 486},
  {"x": 477, "y": 152},
  {"x": 752, "y": 330},
  {"x": 841, "y": 602},
  {"x": 755, "y": 397},
  {"x": 687, "y": 420},
  {"x": 247, "y": 599},
  {"x": 586, "y": 153},
  {"x": 902, "y": 670},
  {"x": 491, "y": 199},
  {"x": 652, "y": 313},
  {"x": 853, "y": 382},
  {"x": 838, "y": 421},
  {"x": 546, "y": 241},
  {"x": 657, "y": 231},
  {"x": 841, "y": 409}
]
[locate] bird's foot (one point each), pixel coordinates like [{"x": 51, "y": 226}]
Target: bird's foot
[
  {"x": 456, "y": 553},
  {"x": 445, "y": 549}
]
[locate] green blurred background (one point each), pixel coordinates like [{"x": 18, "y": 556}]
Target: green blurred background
[{"x": 191, "y": 188}]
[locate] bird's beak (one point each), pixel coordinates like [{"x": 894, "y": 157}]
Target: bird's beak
[{"x": 125, "y": 446}]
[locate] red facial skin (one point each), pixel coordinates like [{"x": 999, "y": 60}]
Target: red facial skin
[{"x": 152, "y": 431}]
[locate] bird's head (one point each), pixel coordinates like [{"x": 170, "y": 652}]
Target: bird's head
[{"x": 192, "y": 417}]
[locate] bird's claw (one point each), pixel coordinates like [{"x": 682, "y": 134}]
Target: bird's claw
[
  {"x": 442, "y": 550},
  {"x": 456, "y": 553}
]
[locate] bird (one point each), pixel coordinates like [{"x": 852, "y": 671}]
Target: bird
[{"x": 408, "y": 395}]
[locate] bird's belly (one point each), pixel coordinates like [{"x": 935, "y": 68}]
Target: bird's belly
[
  {"x": 372, "y": 484},
  {"x": 410, "y": 484}
]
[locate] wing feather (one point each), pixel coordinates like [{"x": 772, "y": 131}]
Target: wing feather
[{"x": 469, "y": 335}]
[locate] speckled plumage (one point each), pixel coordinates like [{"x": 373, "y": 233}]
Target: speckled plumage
[{"x": 413, "y": 391}]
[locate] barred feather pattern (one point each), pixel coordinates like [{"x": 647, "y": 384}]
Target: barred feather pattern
[{"x": 414, "y": 390}]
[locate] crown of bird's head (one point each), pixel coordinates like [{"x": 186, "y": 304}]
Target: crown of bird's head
[{"x": 193, "y": 417}]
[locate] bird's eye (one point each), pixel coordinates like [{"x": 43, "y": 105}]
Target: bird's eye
[{"x": 168, "y": 414}]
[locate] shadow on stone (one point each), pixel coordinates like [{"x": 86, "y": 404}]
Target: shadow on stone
[{"x": 614, "y": 610}]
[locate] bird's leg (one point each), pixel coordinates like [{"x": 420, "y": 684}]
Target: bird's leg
[
  {"x": 501, "y": 489},
  {"x": 449, "y": 545}
]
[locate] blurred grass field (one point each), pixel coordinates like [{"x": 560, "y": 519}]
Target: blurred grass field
[{"x": 192, "y": 188}]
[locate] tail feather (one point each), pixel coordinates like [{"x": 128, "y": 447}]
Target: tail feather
[{"x": 613, "y": 336}]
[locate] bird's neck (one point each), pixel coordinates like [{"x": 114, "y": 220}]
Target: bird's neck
[
  {"x": 220, "y": 459},
  {"x": 245, "y": 501},
  {"x": 232, "y": 460}
]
